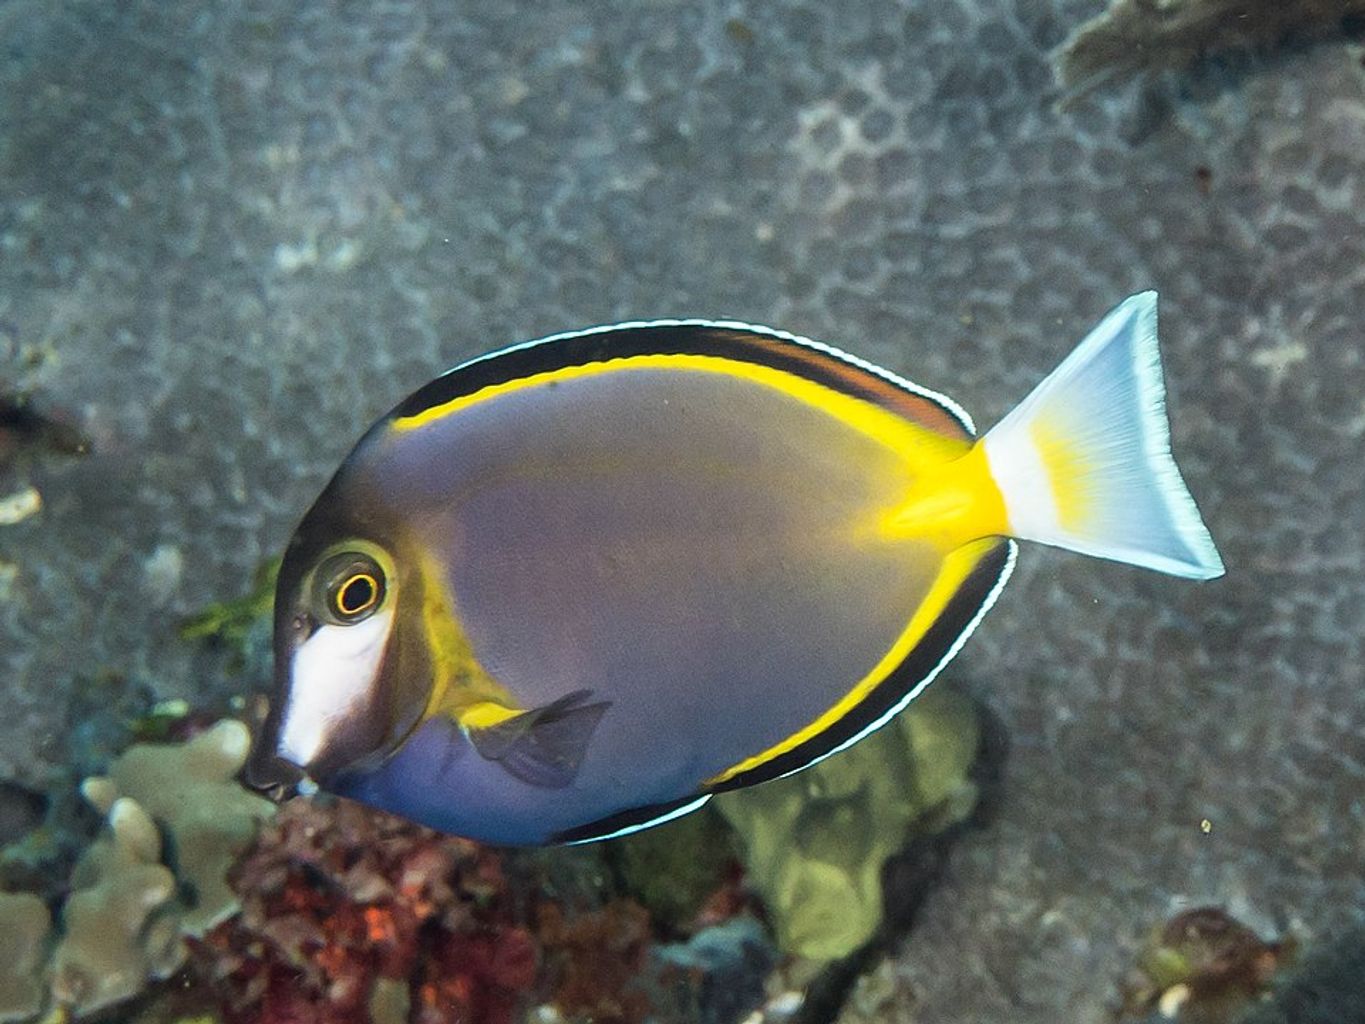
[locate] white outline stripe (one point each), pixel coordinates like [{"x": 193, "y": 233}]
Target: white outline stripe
[
  {"x": 677, "y": 812},
  {"x": 1156, "y": 444}
]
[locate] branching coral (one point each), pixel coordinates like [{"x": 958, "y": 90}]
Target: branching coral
[
  {"x": 190, "y": 790},
  {"x": 120, "y": 926},
  {"x": 174, "y": 822}
]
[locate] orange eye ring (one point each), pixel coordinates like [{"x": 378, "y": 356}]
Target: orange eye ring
[
  {"x": 356, "y": 595},
  {"x": 351, "y": 586}
]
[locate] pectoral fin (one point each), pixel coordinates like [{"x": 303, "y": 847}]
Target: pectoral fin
[{"x": 544, "y": 746}]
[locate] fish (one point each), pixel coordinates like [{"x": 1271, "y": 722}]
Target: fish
[{"x": 578, "y": 586}]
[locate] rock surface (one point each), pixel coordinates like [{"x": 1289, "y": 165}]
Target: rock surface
[{"x": 231, "y": 235}]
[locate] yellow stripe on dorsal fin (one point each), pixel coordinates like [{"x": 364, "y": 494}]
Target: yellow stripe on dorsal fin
[{"x": 919, "y": 446}]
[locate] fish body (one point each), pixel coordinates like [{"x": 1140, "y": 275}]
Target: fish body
[{"x": 576, "y": 587}]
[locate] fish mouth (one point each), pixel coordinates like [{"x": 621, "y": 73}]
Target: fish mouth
[
  {"x": 278, "y": 792},
  {"x": 271, "y": 775},
  {"x": 267, "y": 772}
]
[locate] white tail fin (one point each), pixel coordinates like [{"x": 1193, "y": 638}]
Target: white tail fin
[{"x": 1084, "y": 462}]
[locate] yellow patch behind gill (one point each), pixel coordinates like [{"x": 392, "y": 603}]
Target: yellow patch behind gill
[{"x": 461, "y": 688}]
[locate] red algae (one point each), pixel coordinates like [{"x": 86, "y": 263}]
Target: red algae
[
  {"x": 594, "y": 957},
  {"x": 337, "y": 897},
  {"x": 343, "y": 906}
]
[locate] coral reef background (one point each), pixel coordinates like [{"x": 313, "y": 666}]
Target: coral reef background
[{"x": 232, "y": 234}]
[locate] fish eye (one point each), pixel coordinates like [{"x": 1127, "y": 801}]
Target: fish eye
[
  {"x": 356, "y": 594},
  {"x": 352, "y": 587}
]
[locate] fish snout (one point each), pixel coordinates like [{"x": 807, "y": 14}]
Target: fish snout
[{"x": 271, "y": 775}]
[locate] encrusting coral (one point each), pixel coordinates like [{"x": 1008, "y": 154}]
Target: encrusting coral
[
  {"x": 814, "y": 844},
  {"x": 24, "y": 926}
]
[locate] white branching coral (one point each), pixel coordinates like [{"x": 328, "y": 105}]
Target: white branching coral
[
  {"x": 120, "y": 926},
  {"x": 176, "y": 820},
  {"x": 189, "y": 790}
]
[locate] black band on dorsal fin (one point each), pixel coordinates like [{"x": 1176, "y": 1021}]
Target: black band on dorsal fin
[{"x": 746, "y": 343}]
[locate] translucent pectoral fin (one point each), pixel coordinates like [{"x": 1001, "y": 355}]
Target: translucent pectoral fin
[{"x": 544, "y": 746}]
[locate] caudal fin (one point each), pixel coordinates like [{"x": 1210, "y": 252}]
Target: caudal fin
[{"x": 1084, "y": 462}]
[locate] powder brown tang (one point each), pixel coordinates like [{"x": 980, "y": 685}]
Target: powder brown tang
[{"x": 577, "y": 586}]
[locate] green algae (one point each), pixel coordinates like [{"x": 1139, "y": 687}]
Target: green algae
[
  {"x": 242, "y": 625},
  {"x": 814, "y": 844}
]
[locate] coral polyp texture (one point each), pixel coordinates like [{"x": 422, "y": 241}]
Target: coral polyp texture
[
  {"x": 232, "y": 234},
  {"x": 190, "y": 789}
]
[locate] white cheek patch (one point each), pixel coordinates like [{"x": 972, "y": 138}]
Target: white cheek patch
[{"x": 330, "y": 676}]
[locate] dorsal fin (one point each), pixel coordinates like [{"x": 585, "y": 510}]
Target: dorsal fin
[{"x": 750, "y": 343}]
